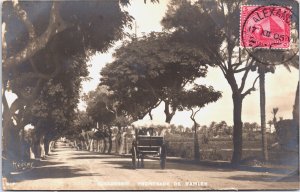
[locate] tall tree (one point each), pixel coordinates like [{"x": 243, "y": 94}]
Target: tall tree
[
  {"x": 262, "y": 70},
  {"x": 48, "y": 42},
  {"x": 104, "y": 109},
  {"x": 151, "y": 70},
  {"x": 211, "y": 26},
  {"x": 100, "y": 107},
  {"x": 194, "y": 100}
]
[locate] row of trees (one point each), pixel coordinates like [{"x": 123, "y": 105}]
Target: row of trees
[
  {"x": 221, "y": 129},
  {"x": 46, "y": 46},
  {"x": 161, "y": 67},
  {"x": 44, "y": 54}
]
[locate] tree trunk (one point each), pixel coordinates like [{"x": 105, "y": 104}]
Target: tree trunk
[
  {"x": 52, "y": 143},
  {"x": 36, "y": 149},
  {"x": 169, "y": 115},
  {"x": 9, "y": 130},
  {"x": 122, "y": 142},
  {"x": 196, "y": 144},
  {"x": 237, "y": 129},
  {"x": 117, "y": 143},
  {"x": 41, "y": 147},
  {"x": 168, "y": 118},
  {"x": 98, "y": 144},
  {"x": 125, "y": 144},
  {"x": 118, "y": 140},
  {"x": 109, "y": 142},
  {"x": 13, "y": 144},
  {"x": 91, "y": 144},
  {"x": 296, "y": 106},
  {"x": 263, "y": 115},
  {"x": 46, "y": 147},
  {"x": 105, "y": 145}
]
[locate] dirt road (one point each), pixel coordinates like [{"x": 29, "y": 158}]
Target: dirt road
[{"x": 69, "y": 169}]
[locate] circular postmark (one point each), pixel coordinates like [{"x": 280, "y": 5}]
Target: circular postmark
[{"x": 269, "y": 33}]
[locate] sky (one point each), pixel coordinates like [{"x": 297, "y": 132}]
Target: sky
[{"x": 280, "y": 87}]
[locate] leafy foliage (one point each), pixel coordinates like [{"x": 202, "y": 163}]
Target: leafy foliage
[
  {"x": 99, "y": 106},
  {"x": 199, "y": 96},
  {"x": 211, "y": 26},
  {"x": 152, "y": 69},
  {"x": 45, "y": 50}
]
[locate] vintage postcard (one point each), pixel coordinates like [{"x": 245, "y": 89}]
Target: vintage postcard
[{"x": 150, "y": 95}]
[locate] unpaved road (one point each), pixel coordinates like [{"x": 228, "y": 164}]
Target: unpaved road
[{"x": 68, "y": 169}]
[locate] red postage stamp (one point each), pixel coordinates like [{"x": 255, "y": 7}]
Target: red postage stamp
[{"x": 265, "y": 27}]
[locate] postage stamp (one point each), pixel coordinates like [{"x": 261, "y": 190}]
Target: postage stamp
[{"x": 265, "y": 27}]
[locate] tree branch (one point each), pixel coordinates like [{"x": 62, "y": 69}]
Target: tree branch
[
  {"x": 192, "y": 115},
  {"x": 56, "y": 25},
  {"x": 222, "y": 67},
  {"x": 236, "y": 65},
  {"x": 6, "y": 110},
  {"x": 23, "y": 16},
  {"x": 245, "y": 76},
  {"x": 4, "y": 45},
  {"x": 150, "y": 115},
  {"x": 250, "y": 89},
  {"x": 196, "y": 112},
  {"x": 242, "y": 69}
]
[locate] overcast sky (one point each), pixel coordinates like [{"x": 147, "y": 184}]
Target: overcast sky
[{"x": 280, "y": 87}]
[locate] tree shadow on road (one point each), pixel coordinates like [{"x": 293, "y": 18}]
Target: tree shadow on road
[
  {"x": 155, "y": 165},
  {"x": 190, "y": 165},
  {"x": 263, "y": 178},
  {"x": 92, "y": 157},
  {"x": 229, "y": 166},
  {"x": 37, "y": 163},
  {"x": 92, "y": 153},
  {"x": 45, "y": 172}
]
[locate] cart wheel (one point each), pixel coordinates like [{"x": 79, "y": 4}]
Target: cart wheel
[
  {"x": 163, "y": 155},
  {"x": 133, "y": 151}
]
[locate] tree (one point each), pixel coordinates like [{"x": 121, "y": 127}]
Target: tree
[
  {"x": 211, "y": 27},
  {"x": 262, "y": 70},
  {"x": 220, "y": 128},
  {"x": 195, "y": 99},
  {"x": 81, "y": 122},
  {"x": 270, "y": 122},
  {"x": 151, "y": 70},
  {"x": 211, "y": 129},
  {"x": 48, "y": 42},
  {"x": 100, "y": 107},
  {"x": 105, "y": 110}
]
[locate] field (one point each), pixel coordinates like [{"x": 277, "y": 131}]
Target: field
[{"x": 221, "y": 149}]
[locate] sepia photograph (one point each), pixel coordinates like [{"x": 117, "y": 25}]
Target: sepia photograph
[{"x": 150, "y": 95}]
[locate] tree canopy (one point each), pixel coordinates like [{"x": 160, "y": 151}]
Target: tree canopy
[
  {"x": 213, "y": 28},
  {"x": 100, "y": 106},
  {"x": 45, "y": 50},
  {"x": 151, "y": 70}
]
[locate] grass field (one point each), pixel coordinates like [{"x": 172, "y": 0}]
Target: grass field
[{"x": 221, "y": 148}]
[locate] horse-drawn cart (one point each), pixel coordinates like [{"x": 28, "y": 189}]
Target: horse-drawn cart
[{"x": 148, "y": 145}]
